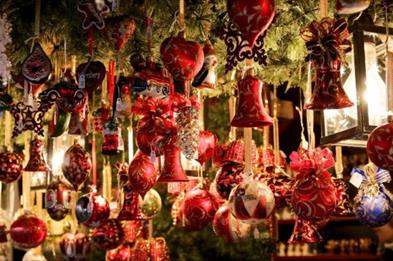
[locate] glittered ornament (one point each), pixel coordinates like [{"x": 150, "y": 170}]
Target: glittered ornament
[
  {"x": 379, "y": 146},
  {"x": 347, "y": 7},
  {"x": 122, "y": 253},
  {"x": 37, "y": 67},
  {"x": 266, "y": 160},
  {"x": 76, "y": 165},
  {"x": 28, "y": 231},
  {"x": 36, "y": 161},
  {"x": 92, "y": 210},
  {"x": 305, "y": 232},
  {"x": 234, "y": 152},
  {"x": 226, "y": 226},
  {"x": 207, "y": 144},
  {"x": 10, "y": 166},
  {"x": 142, "y": 174},
  {"x": 141, "y": 250},
  {"x": 152, "y": 204},
  {"x": 108, "y": 235},
  {"x": 58, "y": 200},
  {"x": 177, "y": 211},
  {"x": 132, "y": 230},
  {"x": 228, "y": 177},
  {"x": 251, "y": 201},
  {"x": 75, "y": 247}
]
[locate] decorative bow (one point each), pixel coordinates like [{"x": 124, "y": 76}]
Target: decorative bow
[
  {"x": 372, "y": 175},
  {"x": 311, "y": 161},
  {"x": 326, "y": 40}
]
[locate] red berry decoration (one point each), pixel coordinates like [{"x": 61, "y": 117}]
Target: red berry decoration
[
  {"x": 76, "y": 165},
  {"x": 37, "y": 66},
  {"x": 28, "y": 231},
  {"x": 75, "y": 246},
  {"x": 252, "y": 18},
  {"x": 108, "y": 235},
  {"x": 228, "y": 177},
  {"x": 380, "y": 146},
  {"x": 122, "y": 253},
  {"x": 142, "y": 174},
  {"x": 58, "y": 200},
  {"x": 10, "y": 166},
  {"x": 92, "y": 210}
]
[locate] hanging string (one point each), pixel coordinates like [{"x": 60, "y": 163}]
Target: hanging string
[
  {"x": 37, "y": 16},
  {"x": 389, "y": 69},
  {"x": 94, "y": 147},
  {"x": 276, "y": 133},
  {"x": 323, "y": 8},
  {"x": 339, "y": 162},
  {"x": 310, "y": 113},
  {"x": 232, "y": 110},
  {"x": 182, "y": 15},
  {"x": 247, "y": 133},
  {"x": 266, "y": 130}
]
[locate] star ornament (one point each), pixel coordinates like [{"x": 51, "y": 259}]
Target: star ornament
[{"x": 93, "y": 14}]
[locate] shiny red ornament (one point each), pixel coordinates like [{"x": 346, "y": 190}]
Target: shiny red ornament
[
  {"x": 36, "y": 162},
  {"x": 28, "y": 231},
  {"x": 142, "y": 174},
  {"x": 75, "y": 247},
  {"x": 10, "y": 166},
  {"x": 199, "y": 208},
  {"x": 37, "y": 67},
  {"x": 58, "y": 200},
  {"x": 90, "y": 75},
  {"x": 252, "y": 17},
  {"x": 132, "y": 230},
  {"x": 131, "y": 208},
  {"x": 122, "y": 253},
  {"x": 228, "y": 177},
  {"x": 250, "y": 110},
  {"x": 108, "y": 235},
  {"x": 380, "y": 146},
  {"x": 158, "y": 250},
  {"x": 182, "y": 58},
  {"x": 172, "y": 170},
  {"x": 141, "y": 251},
  {"x": 347, "y": 7},
  {"x": 119, "y": 30},
  {"x": 92, "y": 210},
  {"x": 207, "y": 144},
  {"x": 76, "y": 165},
  {"x": 226, "y": 226}
]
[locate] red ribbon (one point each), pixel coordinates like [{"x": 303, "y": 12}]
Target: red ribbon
[
  {"x": 91, "y": 41},
  {"x": 111, "y": 80},
  {"x": 311, "y": 161},
  {"x": 94, "y": 159}
]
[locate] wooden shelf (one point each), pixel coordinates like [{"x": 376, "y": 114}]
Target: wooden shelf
[
  {"x": 332, "y": 219},
  {"x": 328, "y": 257}
]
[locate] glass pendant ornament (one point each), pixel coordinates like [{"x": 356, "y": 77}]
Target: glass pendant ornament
[
  {"x": 58, "y": 199},
  {"x": 173, "y": 170},
  {"x": 28, "y": 231},
  {"x": 75, "y": 247},
  {"x": 380, "y": 146},
  {"x": 113, "y": 142},
  {"x": 36, "y": 162},
  {"x": 37, "y": 67},
  {"x": 152, "y": 204},
  {"x": 92, "y": 209},
  {"x": 10, "y": 166},
  {"x": 347, "y": 7},
  {"x": 142, "y": 174},
  {"x": 76, "y": 165},
  {"x": 188, "y": 131}
]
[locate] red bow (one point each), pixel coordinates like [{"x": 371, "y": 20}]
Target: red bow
[{"x": 311, "y": 161}]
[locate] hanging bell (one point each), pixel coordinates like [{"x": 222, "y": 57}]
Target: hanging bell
[
  {"x": 36, "y": 162},
  {"x": 250, "y": 111},
  {"x": 173, "y": 170},
  {"x": 346, "y": 7},
  {"x": 131, "y": 209},
  {"x": 328, "y": 91}
]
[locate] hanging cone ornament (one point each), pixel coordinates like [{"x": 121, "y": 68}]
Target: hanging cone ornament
[
  {"x": 28, "y": 231},
  {"x": 142, "y": 174},
  {"x": 347, "y": 7},
  {"x": 131, "y": 209},
  {"x": 37, "y": 66},
  {"x": 10, "y": 166},
  {"x": 380, "y": 146},
  {"x": 75, "y": 247},
  {"x": 207, "y": 144},
  {"x": 172, "y": 170},
  {"x": 252, "y": 18},
  {"x": 207, "y": 76},
  {"x": 58, "y": 200},
  {"x": 250, "y": 110},
  {"x": 92, "y": 209},
  {"x": 109, "y": 235},
  {"x": 36, "y": 162}
]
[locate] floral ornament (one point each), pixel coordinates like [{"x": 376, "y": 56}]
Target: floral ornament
[
  {"x": 5, "y": 39},
  {"x": 93, "y": 12}
]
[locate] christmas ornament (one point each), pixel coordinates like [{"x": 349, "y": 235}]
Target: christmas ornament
[
  {"x": 92, "y": 209},
  {"x": 93, "y": 14},
  {"x": 76, "y": 165},
  {"x": 251, "y": 201},
  {"x": 346, "y": 7},
  {"x": 10, "y": 166},
  {"x": 159, "y": 250},
  {"x": 119, "y": 29},
  {"x": 207, "y": 77},
  {"x": 122, "y": 253},
  {"x": 234, "y": 152},
  {"x": 5, "y": 39},
  {"x": 266, "y": 160},
  {"x": 59, "y": 123},
  {"x": 75, "y": 247},
  {"x": 280, "y": 184},
  {"x": 131, "y": 208},
  {"x": 58, "y": 200},
  {"x": 34, "y": 254},
  {"x": 70, "y": 98},
  {"x": 327, "y": 41},
  {"x": 207, "y": 144},
  {"x": 122, "y": 173},
  {"x": 198, "y": 209},
  {"x": 113, "y": 142},
  {"x": 37, "y": 67},
  {"x": 108, "y": 235},
  {"x": 100, "y": 116},
  {"x": 250, "y": 110},
  {"x": 28, "y": 231},
  {"x": 177, "y": 210},
  {"x": 123, "y": 104},
  {"x": 228, "y": 177},
  {"x": 252, "y": 18},
  {"x": 152, "y": 204},
  {"x": 226, "y": 226},
  {"x": 172, "y": 170},
  {"x": 79, "y": 122},
  {"x": 36, "y": 162},
  {"x": 141, "y": 250},
  {"x": 305, "y": 232},
  {"x": 343, "y": 204},
  {"x": 373, "y": 204},
  {"x": 90, "y": 75},
  {"x": 379, "y": 146},
  {"x": 132, "y": 230},
  {"x": 142, "y": 174}
]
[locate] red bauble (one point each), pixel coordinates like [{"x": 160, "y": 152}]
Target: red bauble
[
  {"x": 58, "y": 200},
  {"x": 109, "y": 235},
  {"x": 142, "y": 174},
  {"x": 148, "y": 140},
  {"x": 251, "y": 17},
  {"x": 207, "y": 144},
  {"x": 10, "y": 166},
  {"x": 228, "y": 177},
  {"x": 28, "y": 231},
  {"x": 380, "y": 146},
  {"x": 93, "y": 73},
  {"x": 75, "y": 247},
  {"x": 182, "y": 58},
  {"x": 198, "y": 209},
  {"x": 226, "y": 226},
  {"x": 122, "y": 253},
  {"x": 132, "y": 230},
  {"x": 76, "y": 165},
  {"x": 92, "y": 210},
  {"x": 119, "y": 29},
  {"x": 141, "y": 251}
]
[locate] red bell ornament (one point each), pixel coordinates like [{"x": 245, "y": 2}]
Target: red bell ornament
[
  {"x": 250, "y": 110},
  {"x": 207, "y": 144},
  {"x": 92, "y": 210},
  {"x": 109, "y": 235},
  {"x": 346, "y": 7},
  {"x": 10, "y": 166},
  {"x": 328, "y": 91},
  {"x": 131, "y": 208},
  {"x": 122, "y": 253},
  {"x": 58, "y": 200},
  {"x": 75, "y": 247},
  {"x": 36, "y": 162},
  {"x": 252, "y": 17},
  {"x": 76, "y": 165},
  {"x": 172, "y": 170},
  {"x": 380, "y": 146},
  {"x": 142, "y": 174},
  {"x": 28, "y": 231}
]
